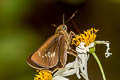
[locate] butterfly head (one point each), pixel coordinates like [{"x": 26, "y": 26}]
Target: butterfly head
[{"x": 62, "y": 27}]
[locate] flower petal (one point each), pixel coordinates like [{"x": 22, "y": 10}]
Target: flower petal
[
  {"x": 81, "y": 48},
  {"x": 69, "y": 72},
  {"x": 70, "y": 65},
  {"x": 59, "y": 78},
  {"x": 76, "y": 67},
  {"x": 107, "y": 43},
  {"x": 59, "y": 72},
  {"x": 83, "y": 65},
  {"x": 107, "y": 54}
]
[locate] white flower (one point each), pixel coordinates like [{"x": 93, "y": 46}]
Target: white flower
[
  {"x": 79, "y": 66},
  {"x": 83, "y": 58}
]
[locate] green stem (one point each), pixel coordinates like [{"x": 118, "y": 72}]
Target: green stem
[{"x": 99, "y": 64}]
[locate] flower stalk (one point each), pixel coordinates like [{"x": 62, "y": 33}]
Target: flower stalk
[
  {"x": 92, "y": 51},
  {"x": 99, "y": 64}
]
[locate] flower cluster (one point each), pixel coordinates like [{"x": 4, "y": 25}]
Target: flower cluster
[
  {"x": 43, "y": 75},
  {"x": 88, "y": 37}
]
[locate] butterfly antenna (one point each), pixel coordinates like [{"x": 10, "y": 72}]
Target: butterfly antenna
[
  {"x": 76, "y": 27},
  {"x": 63, "y": 19},
  {"x": 72, "y": 16}
]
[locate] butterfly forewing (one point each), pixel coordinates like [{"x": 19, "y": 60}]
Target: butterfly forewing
[
  {"x": 46, "y": 56},
  {"x": 53, "y": 53}
]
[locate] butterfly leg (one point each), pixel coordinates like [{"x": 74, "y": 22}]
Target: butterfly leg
[
  {"x": 71, "y": 51},
  {"x": 68, "y": 41},
  {"x": 70, "y": 36}
]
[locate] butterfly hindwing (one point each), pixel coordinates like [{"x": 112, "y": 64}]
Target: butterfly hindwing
[{"x": 63, "y": 51}]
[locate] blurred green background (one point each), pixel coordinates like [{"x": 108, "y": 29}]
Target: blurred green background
[{"x": 26, "y": 24}]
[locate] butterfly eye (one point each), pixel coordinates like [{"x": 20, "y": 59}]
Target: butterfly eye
[{"x": 64, "y": 27}]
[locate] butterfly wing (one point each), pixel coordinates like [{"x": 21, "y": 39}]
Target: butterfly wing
[
  {"x": 47, "y": 56},
  {"x": 63, "y": 51}
]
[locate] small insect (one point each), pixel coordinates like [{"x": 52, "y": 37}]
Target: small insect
[{"x": 52, "y": 55}]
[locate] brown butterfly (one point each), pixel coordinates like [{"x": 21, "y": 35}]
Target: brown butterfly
[{"x": 52, "y": 55}]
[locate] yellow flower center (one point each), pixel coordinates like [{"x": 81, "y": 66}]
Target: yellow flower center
[
  {"x": 88, "y": 37},
  {"x": 43, "y": 75}
]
